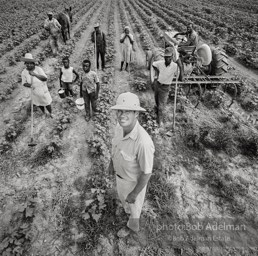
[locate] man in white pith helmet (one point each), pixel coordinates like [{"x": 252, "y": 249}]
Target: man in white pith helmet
[{"x": 132, "y": 159}]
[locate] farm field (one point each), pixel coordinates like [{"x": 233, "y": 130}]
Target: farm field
[{"x": 57, "y": 198}]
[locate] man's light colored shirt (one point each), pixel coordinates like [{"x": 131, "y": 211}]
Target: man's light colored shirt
[
  {"x": 166, "y": 74},
  {"x": 89, "y": 81},
  {"x": 133, "y": 154},
  {"x": 53, "y": 26}
]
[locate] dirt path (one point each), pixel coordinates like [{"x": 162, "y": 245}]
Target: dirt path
[
  {"x": 251, "y": 74},
  {"x": 21, "y": 96}
]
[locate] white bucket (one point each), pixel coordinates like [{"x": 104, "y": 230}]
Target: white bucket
[{"x": 80, "y": 103}]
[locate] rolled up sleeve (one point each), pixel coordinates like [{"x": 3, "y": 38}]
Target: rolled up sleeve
[{"x": 145, "y": 157}]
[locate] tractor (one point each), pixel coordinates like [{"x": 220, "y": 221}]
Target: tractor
[{"x": 204, "y": 67}]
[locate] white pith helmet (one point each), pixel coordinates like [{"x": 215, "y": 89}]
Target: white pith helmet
[{"x": 128, "y": 101}]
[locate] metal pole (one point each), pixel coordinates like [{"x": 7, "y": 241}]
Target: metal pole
[{"x": 175, "y": 97}]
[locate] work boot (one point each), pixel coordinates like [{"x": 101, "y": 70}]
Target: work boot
[{"x": 126, "y": 67}]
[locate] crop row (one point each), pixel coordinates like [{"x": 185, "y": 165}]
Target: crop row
[
  {"x": 238, "y": 33},
  {"x": 98, "y": 211},
  {"x": 15, "y": 127},
  {"x": 28, "y": 21},
  {"x": 9, "y": 85}
]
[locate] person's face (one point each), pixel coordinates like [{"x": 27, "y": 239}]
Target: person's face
[
  {"x": 50, "y": 16},
  {"x": 97, "y": 29},
  {"x": 189, "y": 29},
  {"x": 66, "y": 63},
  {"x": 86, "y": 67},
  {"x": 168, "y": 59},
  {"x": 127, "y": 31},
  {"x": 126, "y": 118},
  {"x": 30, "y": 65}
]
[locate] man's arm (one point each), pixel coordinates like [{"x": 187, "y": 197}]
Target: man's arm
[
  {"x": 142, "y": 182},
  {"x": 46, "y": 25},
  {"x": 97, "y": 90},
  {"x": 40, "y": 77},
  {"x": 60, "y": 76},
  {"x": 58, "y": 24},
  {"x": 123, "y": 38},
  {"x": 180, "y": 66},
  {"x": 180, "y": 34},
  {"x": 77, "y": 76},
  {"x": 93, "y": 37},
  {"x": 104, "y": 41}
]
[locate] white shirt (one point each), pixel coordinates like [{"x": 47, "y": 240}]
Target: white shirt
[
  {"x": 132, "y": 154},
  {"x": 67, "y": 74},
  {"x": 166, "y": 74}
]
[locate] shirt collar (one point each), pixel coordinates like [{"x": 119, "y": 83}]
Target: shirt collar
[{"x": 133, "y": 133}]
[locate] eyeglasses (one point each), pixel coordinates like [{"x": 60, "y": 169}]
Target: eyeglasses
[{"x": 126, "y": 112}]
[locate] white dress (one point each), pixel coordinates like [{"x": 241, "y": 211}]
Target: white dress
[
  {"x": 127, "y": 48},
  {"x": 40, "y": 95}
]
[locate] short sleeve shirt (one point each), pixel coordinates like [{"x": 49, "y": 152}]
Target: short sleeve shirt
[
  {"x": 133, "y": 154},
  {"x": 89, "y": 81},
  {"x": 166, "y": 74}
]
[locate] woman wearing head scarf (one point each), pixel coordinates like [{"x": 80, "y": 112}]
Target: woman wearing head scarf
[
  {"x": 35, "y": 78},
  {"x": 127, "y": 47}
]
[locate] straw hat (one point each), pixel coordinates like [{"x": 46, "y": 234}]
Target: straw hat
[
  {"x": 128, "y": 101},
  {"x": 28, "y": 58},
  {"x": 96, "y": 25},
  {"x": 50, "y": 13},
  {"x": 169, "y": 51}
]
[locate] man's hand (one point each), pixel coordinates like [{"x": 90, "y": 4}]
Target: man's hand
[{"x": 131, "y": 198}]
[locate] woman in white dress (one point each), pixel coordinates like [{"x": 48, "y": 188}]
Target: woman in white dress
[
  {"x": 127, "y": 47},
  {"x": 35, "y": 78}
]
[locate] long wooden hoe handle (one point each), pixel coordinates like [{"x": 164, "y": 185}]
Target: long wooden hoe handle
[{"x": 175, "y": 96}]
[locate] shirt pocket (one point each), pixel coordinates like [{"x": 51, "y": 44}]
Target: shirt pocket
[{"x": 129, "y": 162}]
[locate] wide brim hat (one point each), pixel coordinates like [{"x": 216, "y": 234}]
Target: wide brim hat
[
  {"x": 96, "y": 25},
  {"x": 28, "y": 58},
  {"x": 169, "y": 51},
  {"x": 128, "y": 101}
]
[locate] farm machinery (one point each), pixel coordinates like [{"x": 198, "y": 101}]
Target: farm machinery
[{"x": 204, "y": 68}]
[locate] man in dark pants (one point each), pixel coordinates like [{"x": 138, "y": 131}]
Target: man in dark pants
[
  {"x": 165, "y": 70},
  {"x": 89, "y": 88},
  {"x": 100, "y": 45}
]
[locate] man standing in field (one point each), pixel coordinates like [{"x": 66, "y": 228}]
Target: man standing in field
[
  {"x": 89, "y": 89},
  {"x": 165, "y": 71},
  {"x": 132, "y": 159},
  {"x": 100, "y": 45},
  {"x": 53, "y": 27}
]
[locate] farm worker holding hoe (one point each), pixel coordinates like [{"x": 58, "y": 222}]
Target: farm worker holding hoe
[
  {"x": 127, "y": 47},
  {"x": 66, "y": 77},
  {"x": 132, "y": 159},
  {"x": 53, "y": 27},
  {"x": 165, "y": 71},
  {"x": 89, "y": 88},
  {"x": 35, "y": 78},
  {"x": 100, "y": 45}
]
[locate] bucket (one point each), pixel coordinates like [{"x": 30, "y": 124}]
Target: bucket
[
  {"x": 80, "y": 103},
  {"x": 61, "y": 93}
]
